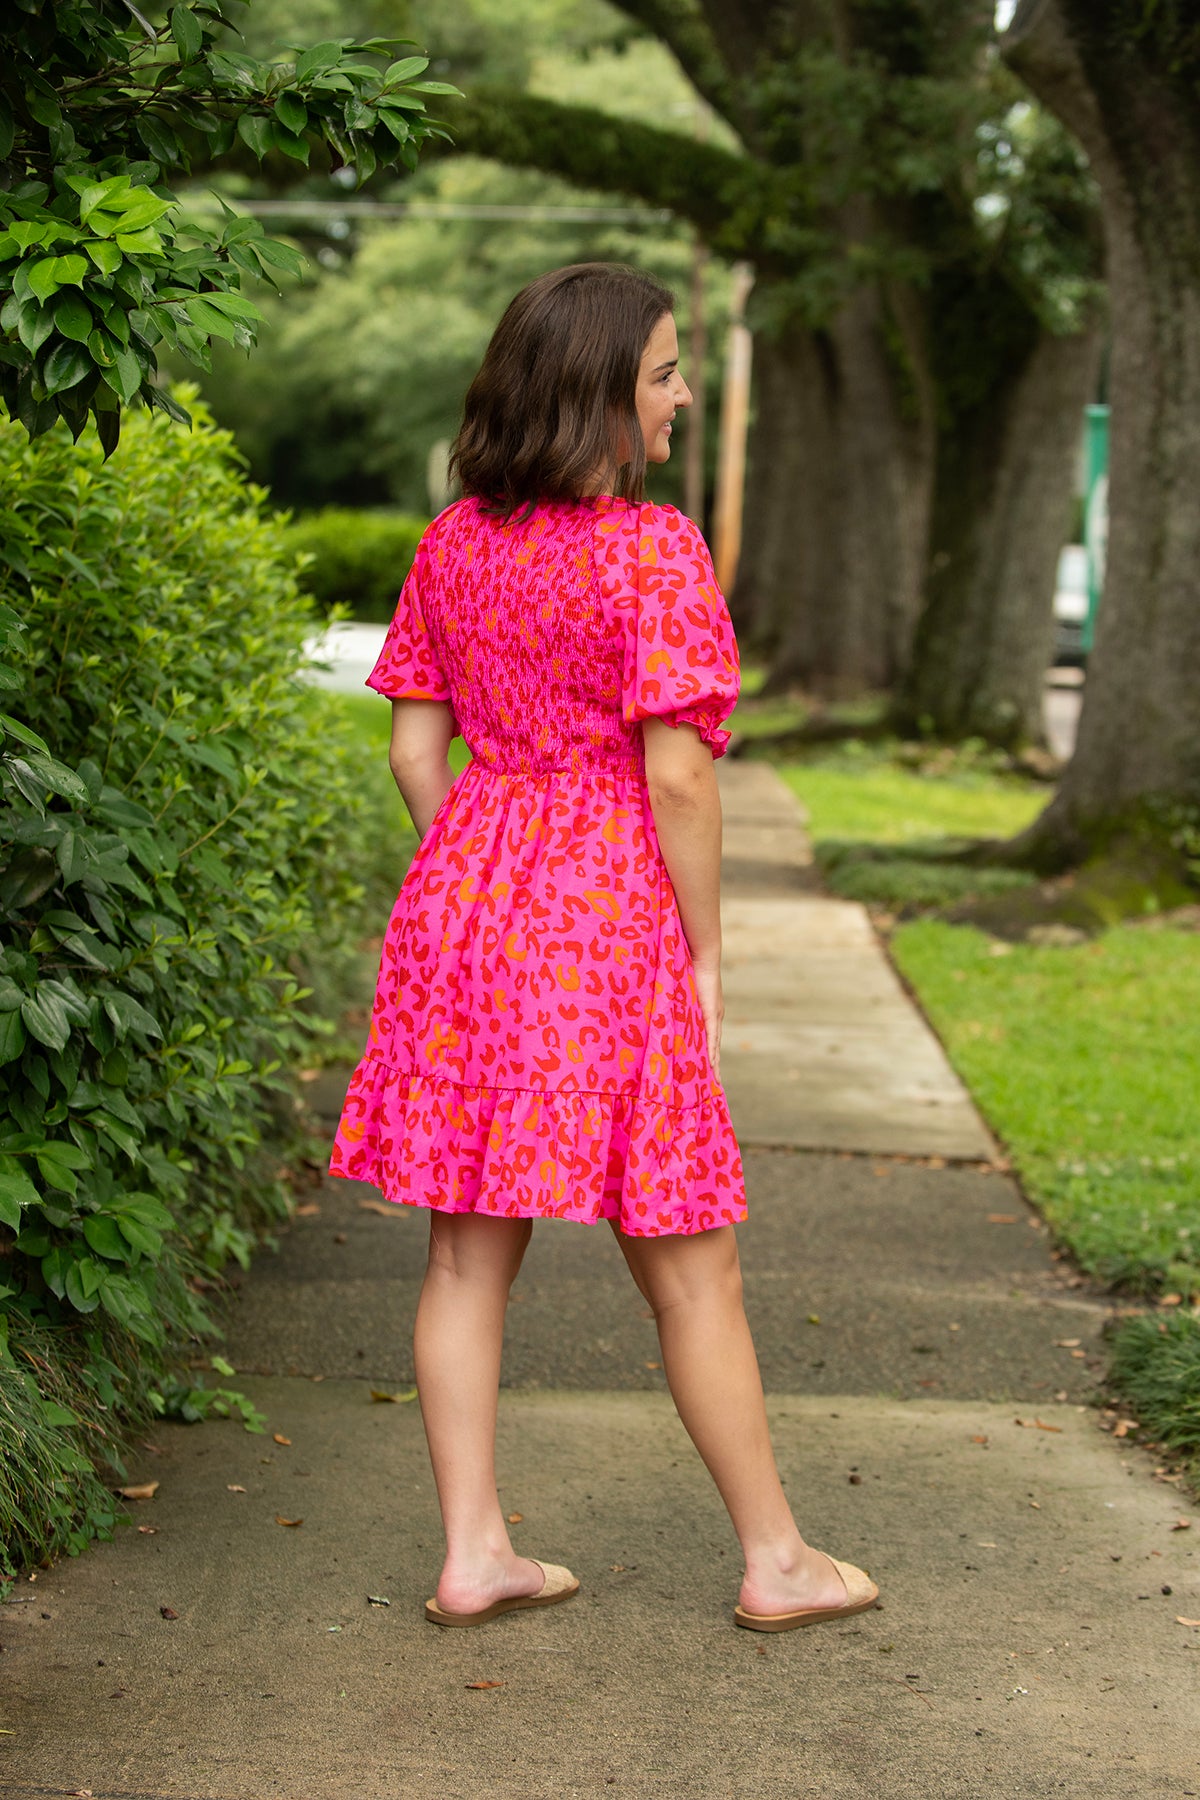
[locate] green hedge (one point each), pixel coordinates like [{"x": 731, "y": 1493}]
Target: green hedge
[
  {"x": 178, "y": 823},
  {"x": 358, "y": 559}
]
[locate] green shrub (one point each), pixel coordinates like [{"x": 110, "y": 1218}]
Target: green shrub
[
  {"x": 359, "y": 559},
  {"x": 177, "y": 832}
]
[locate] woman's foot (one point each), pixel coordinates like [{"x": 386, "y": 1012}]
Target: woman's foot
[
  {"x": 474, "y": 1587},
  {"x": 554, "y": 1584},
  {"x": 793, "y": 1580}
]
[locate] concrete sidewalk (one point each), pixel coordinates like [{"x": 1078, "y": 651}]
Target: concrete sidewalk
[{"x": 928, "y": 1368}]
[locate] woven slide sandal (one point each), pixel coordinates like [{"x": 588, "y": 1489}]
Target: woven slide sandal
[
  {"x": 559, "y": 1585},
  {"x": 861, "y": 1593}
]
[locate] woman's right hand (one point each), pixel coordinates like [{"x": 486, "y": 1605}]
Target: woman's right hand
[{"x": 708, "y": 989}]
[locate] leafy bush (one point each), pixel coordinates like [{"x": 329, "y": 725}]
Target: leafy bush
[
  {"x": 359, "y": 559},
  {"x": 177, "y": 830}
]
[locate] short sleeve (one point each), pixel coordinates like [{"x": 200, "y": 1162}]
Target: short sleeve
[
  {"x": 681, "y": 659},
  {"x": 408, "y": 667}
]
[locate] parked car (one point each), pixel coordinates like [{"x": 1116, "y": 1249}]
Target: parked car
[{"x": 1071, "y": 607}]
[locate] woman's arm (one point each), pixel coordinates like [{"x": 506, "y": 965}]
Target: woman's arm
[
  {"x": 422, "y": 731},
  {"x": 682, "y": 781}
]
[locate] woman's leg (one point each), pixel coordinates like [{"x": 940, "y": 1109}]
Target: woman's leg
[
  {"x": 473, "y": 1262},
  {"x": 694, "y": 1286}
]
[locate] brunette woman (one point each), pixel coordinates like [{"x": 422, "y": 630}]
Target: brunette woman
[{"x": 546, "y": 1033}]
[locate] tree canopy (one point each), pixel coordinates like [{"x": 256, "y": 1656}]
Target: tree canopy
[{"x": 100, "y": 108}]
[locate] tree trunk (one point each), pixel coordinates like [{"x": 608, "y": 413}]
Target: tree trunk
[
  {"x": 1001, "y": 517},
  {"x": 841, "y": 463},
  {"x": 1131, "y": 99}
]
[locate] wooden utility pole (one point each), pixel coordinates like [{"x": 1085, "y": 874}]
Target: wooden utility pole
[
  {"x": 731, "y": 450},
  {"x": 693, "y": 451}
]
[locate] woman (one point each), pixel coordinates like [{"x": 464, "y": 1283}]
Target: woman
[{"x": 546, "y": 1034}]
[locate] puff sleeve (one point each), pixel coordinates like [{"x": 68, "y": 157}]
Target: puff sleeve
[
  {"x": 408, "y": 667},
  {"x": 681, "y": 660}
]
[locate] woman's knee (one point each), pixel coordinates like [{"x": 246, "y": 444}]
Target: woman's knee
[
  {"x": 687, "y": 1271},
  {"x": 473, "y": 1247}
]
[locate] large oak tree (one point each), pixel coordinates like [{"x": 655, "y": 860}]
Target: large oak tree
[
  {"x": 1124, "y": 76},
  {"x": 906, "y": 352}
]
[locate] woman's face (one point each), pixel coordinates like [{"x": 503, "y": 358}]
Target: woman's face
[{"x": 661, "y": 389}]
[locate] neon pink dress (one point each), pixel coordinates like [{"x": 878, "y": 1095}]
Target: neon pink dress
[{"x": 537, "y": 1049}]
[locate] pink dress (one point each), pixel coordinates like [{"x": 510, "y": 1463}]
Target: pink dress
[{"x": 537, "y": 1048}]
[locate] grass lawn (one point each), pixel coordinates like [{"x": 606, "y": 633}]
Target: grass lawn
[{"x": 1084, "y": 1058}]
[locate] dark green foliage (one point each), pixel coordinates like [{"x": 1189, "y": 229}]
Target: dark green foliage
[
  {"x": 177, "y": 831},
  {"x": 97, "y": 108},
  {"x": 358, "y": 559},
  {"x": 1156, "y": 1369}
]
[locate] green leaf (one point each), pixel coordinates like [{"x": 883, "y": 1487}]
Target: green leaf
[
  {"x": 34, "y": 325},
  {"x": 65, "y": 367},
  {"x": 187, "y": 32},
  {"x": 289, "y": 144},
  {"x": 254, "y": 129},
  {"x": 404, "y": 70},
  {"x": 320, "y": 57},
  {"x": 73, "y": 317},
  {"x": 29, "y": 875},
  {"x": 140, "y": 1237},
  {"x": 106, "y": 256},
  {"x": 279, "y": 256},
  {"x": 125, "y": 376},
  {"x": 46, "y": 1019},
  {"x": 43, "y": 279},
  {"x": 102, "y": 195},
  {"x": 16, "y": 1191},
  {"x": 140, "y": 243},
  {"x": 207, "y": 319},
  {"x": 82, "y": 1283},
  {"x": 138, "y": 209},
  {"x": 128, "y": 1014},
  {"x": 23, "y": 734},
  {"x": 292, "y": 113},
  {"x": 70, "y": 270},
  {"x": 102, "y": 1234}
]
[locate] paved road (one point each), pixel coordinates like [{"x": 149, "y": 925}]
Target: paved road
[{"x": 929, "y": 1367}]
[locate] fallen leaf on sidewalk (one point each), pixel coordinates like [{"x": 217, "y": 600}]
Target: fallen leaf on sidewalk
[
  {"x": 1002, "y": 1218},
  {"x": 377, "y": 1600},
  {"x": 1036, "y": 1425},
  {"x": 148, "y": 1530},
  {"x": 280, "y": 1520},
  {"x": 234, "y": 1487},
  {"x": 1182, "y": 1525},
  {"x": 1180, "y": 1620},
  {"x": 980, "y": 1439},
  {"x": 1067, "y": 1343},
  {"x": 310, "y": 1210},
  {"x": 379, "y": 1206},
  {"x": 280, "y": 1439},
  {"x": 168, "y": 1612},
  {"x": 516, "y": 1518},
  {"x": 1123, "y": 1427},
  {"x": 146, "y": 1491},
  {"x": 397, "y": 1399},
  {"x": 483, "y": 1684}
]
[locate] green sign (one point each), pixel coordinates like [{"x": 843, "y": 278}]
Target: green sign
[{"x": 1095, "y": 513}]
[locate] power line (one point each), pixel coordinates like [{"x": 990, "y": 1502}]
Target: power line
[{"x": 434, "y": 209}]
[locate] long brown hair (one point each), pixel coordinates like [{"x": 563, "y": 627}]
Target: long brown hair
[{"x": 554, "y": 405}]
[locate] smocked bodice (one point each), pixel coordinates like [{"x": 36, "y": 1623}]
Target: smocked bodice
[{"x": 553, "y": 636}]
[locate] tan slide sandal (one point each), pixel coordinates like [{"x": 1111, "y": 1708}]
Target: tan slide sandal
[
  {"x": 559, "y": 1585},
  {"x": 861, "y": 1593}
]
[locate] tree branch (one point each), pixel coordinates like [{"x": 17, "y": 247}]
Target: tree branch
[
  {"x": 682, "y": 27},
  {"x": 725, "y": 196}
]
